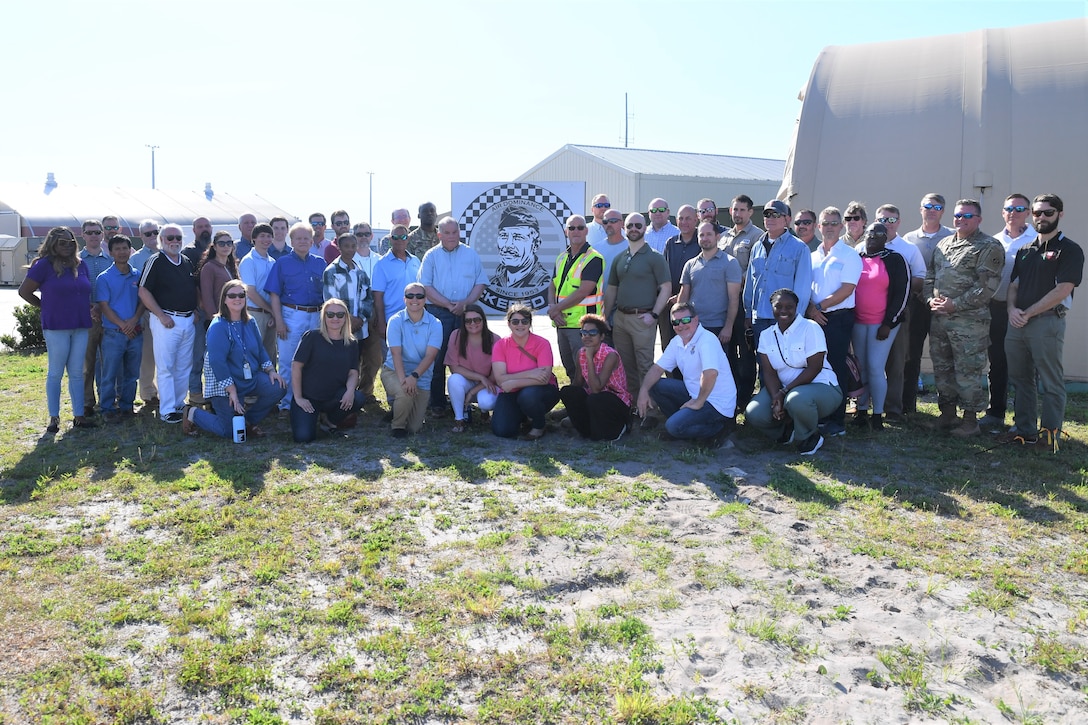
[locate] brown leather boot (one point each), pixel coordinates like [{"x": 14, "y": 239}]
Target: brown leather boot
[
  {"x": 948, "y": 419},
  {"x": 969, "y": 427}
]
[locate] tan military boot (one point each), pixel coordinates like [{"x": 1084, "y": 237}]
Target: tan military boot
[
  {"x": 948, "y": 419},
  {"x": 969, "y": 427}
]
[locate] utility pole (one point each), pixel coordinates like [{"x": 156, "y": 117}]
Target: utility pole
[
  {"x": 370, "y": 220},
  {"x": 626, "y": 119},
  {"x": 152, "y": 163}
]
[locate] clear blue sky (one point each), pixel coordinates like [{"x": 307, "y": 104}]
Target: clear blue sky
[{"x": 296, "y": 101}]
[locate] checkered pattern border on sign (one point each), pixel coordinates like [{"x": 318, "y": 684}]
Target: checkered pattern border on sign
[{"x": 505, "y": 192}]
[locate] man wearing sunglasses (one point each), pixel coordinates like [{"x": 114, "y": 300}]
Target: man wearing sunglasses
[
  {"x": 615, "y": 243},
  {"x": 965, "y": 274},
  {"x": 778, "y": 260},
  {"x": 168, "y": 291},
  {"x": 1040, "y": 293},
  {"x": 399, "y": 217},
  {"x": 804, "y": 228},
  {"x": 660, "y": 229},
  {"x": 638, "y": 288},
  {"x": 925, "y": 239},
  {"x": 702, "y": 403},
  {"x": 856, "y": 219},
  {"x": 1017, "y": 233},
  {"x": 574, "y": 291},
  {"x": 708, "y": 212},
  {"x": 149, "y": 393},
  {"x": 98, "y": 261},
  {"x": 597, "y": 231}
]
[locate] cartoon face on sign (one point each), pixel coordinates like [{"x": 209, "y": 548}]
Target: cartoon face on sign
[{"x": 516, "y": 230}]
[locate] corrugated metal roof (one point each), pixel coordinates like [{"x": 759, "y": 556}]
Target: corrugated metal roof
[{"x": 677, "y": 163}]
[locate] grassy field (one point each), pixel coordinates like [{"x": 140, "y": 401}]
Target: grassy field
[{"x": 148, "y": 577}]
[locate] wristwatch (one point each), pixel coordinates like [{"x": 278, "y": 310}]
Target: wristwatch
[
  {"x": 653, "y": 314},
  {"x": 819, "y": 307},
  {"x": 414, "y": 374}
]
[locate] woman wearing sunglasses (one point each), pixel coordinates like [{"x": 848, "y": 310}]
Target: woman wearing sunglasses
[
  {"x": 597, "y": 400},
  {"x": 325, "y": 373},
  {"x": 217, "y": 266},
  {"x": 468, "y": 358},
  {"x": 236, "y": 366},
  {"x": 522, "y": 364},
  {"x": 414, "y": 338}
]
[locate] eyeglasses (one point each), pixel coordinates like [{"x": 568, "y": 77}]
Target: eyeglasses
[
  {"x": 342, "y": 223},
  {"x": 589, "y": 333},
  {"x": 966, "y": 215},
  {"x": 677, "y": 321},
  {"x": 91, "y": 231},
  {"x": 172, "y": 238},
  {"x": 151, "y": 233},
  {"x": 519, "y": 320},
  {"x": 711, "y": 210},
  {"x": 236, "y": 295},
  {"x": 414, "y": 295},
  {"x": 805, "y": 222},
  {"x": 329, "y": 314},
  {"x": 635, "y": 225},
  {"x": 854, "y": 218},
  {"x": 830, "y": 224},
  {"x": 398, "y": 237},
  {"x": 1044, "y": 212},
  {"x": 612, "y": 221},
  {"x": 602, "y": 205},
  {"x": 224, "y": 243},
  {"x": 364, "y": 234},
  {"x": 1017, "y": 209},
  {"x": 112, "y": 229},
  {"x": 937, "y": 207},
  {"x": 474, "y": 320},
  {"x": 317, "y": 224},
  {"x": 888, "y": 219},
  {"x": 771, "y": 215},
  {"x": 658, "y": 209},
  {"x": 576, "y": 228}
]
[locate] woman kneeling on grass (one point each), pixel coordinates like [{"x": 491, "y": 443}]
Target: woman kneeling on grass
[
  {"x": 324, "y": 373},
  {"x": 469, "y": 359},
  {"x": 597, "y": 400},
  {"x": 523, "y": 369},
  {"x": 799, "y": 386},
  {"x": 236, "y": 365}
]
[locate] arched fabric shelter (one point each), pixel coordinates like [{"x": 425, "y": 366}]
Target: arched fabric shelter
[{"x": 976, "y": 115}]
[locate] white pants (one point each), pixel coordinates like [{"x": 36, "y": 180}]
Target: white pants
[
  {"x": 298, "y": 322},
  {"x": 173, "y": 361},
  {"x": 458, "y": 386}
]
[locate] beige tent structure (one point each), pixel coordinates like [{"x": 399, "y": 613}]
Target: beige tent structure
[
  {"x": 975, "y": 115},
  {"x": 632, "y": 177}
]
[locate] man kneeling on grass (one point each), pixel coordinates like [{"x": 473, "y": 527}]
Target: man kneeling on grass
[{"x": 702, "y": 404}]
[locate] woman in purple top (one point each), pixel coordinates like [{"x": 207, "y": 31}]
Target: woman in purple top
[
  {"x": 65, "y": 304},
  {"x": 217, "y": 267}
]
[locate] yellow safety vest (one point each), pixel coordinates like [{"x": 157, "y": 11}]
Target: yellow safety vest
[{"x": 572, "y": 316}]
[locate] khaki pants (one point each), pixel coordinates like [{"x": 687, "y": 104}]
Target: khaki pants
[
  {"x": 408, "y": 410},
  {"x": 267, "y": 325},
  {"x": 370, "y": 362}
]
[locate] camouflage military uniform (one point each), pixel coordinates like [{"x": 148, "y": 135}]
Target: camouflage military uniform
[
  {"x": 420, "y": 241},
  {"x": 967, "y": 271}
]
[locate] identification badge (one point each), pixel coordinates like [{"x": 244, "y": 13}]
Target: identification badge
[{"x": 247, "y": 372}]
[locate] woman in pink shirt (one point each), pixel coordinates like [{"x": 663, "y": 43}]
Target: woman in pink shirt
[
  {"x": 522, "y": 364},
  {"x": 879, "y": 301},
  {"x": 597, "y": 400},
  {"x": 469, "y": 361}
]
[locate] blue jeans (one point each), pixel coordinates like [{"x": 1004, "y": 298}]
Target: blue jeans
[
  {"x": 438, "y": 379},
  {"x": 837, "y": 333},
  {"x": 873, "y": 357},
  {"x": 121, "y": 359},
  {"x": 805, "y": 405},
  {"x": 304, "y": 425},
  {"x": 670, "y": 395},
  {"x": 65, "y": 350},
  {"x": 220, "y": 422},
  {"x": 532, "y": 402}
]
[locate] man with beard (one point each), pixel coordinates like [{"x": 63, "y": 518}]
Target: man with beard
[
  {"x": 202, "y": 237},
  {"x": 711, "y": 281},
  {"x": 168, "y": 291},
  {"x": 1040, "y": 293},
  {"x": 804, "y": 228},
  {"x": 614, "y": 244},
  {"x": 737, "y": 242},
  {"x": 708, "y": 212},
  {"x": 638, "y": 288},
  {"x": 965, "y": 274},
  {"x": 518, "y": 242}
]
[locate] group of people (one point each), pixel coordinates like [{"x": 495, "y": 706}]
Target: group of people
[{"x": 284, "y": 318}]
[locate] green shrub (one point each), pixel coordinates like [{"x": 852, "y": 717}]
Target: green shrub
[{"x": 28, "y": 326}]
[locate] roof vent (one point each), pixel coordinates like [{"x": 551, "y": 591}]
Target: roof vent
[
  {"x": 50, "y": 182},
  {"x": 208, "y": 193}
]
